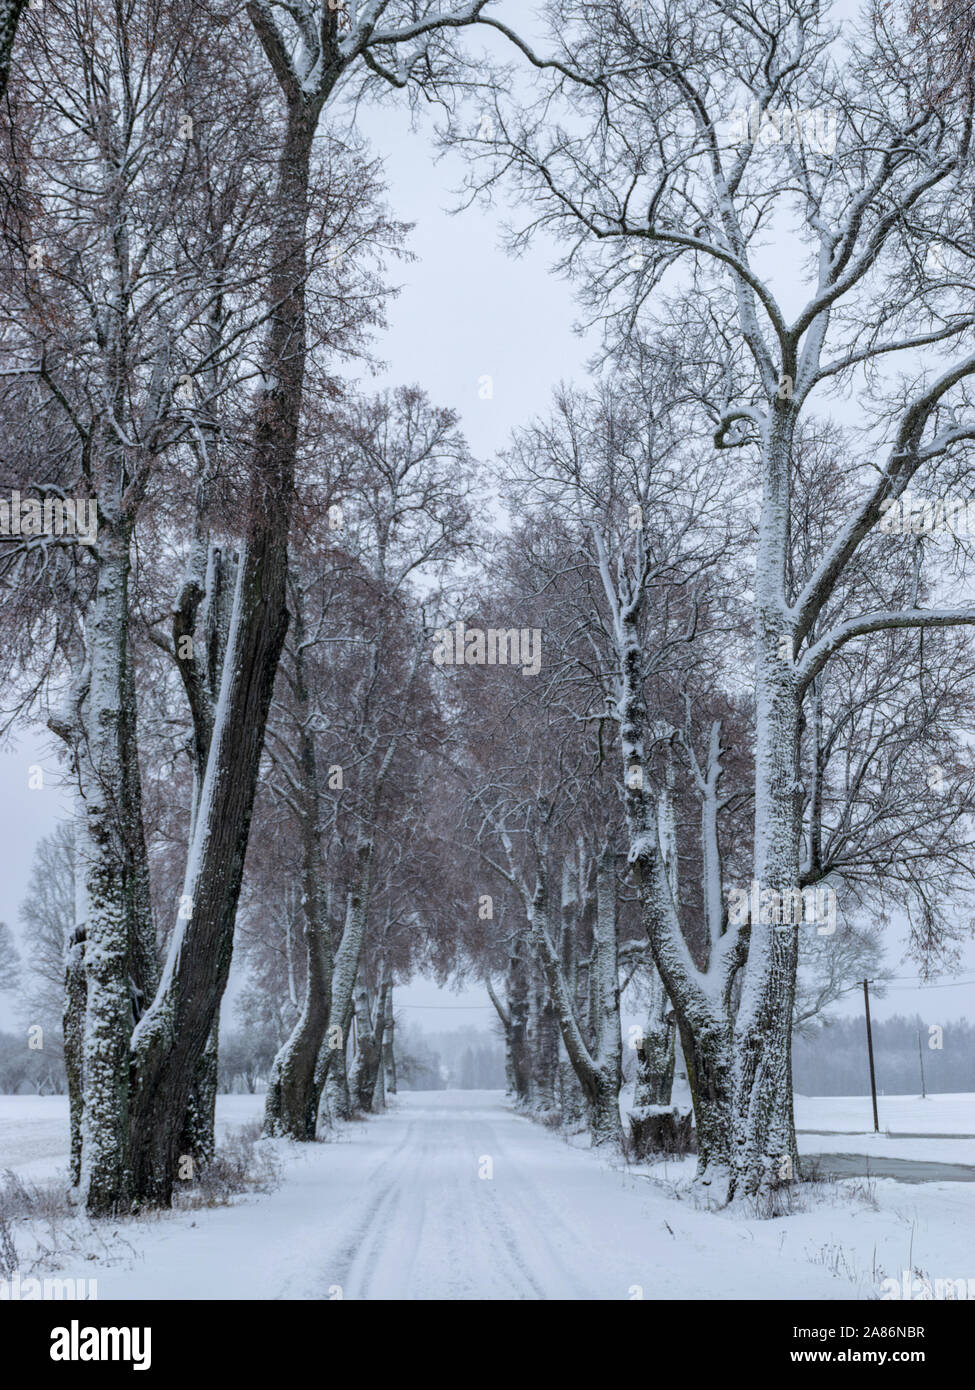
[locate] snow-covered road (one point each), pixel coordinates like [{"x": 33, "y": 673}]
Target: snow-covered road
[{"x": 452, "y": 1196}]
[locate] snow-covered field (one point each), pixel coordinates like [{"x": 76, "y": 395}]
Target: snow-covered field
[
  {"x": 450, "y": 1195},
  {"x": 845, "y": 1125},
  {"x": 943, "y": 1114},
  {"x": 34, "y": 1130}
]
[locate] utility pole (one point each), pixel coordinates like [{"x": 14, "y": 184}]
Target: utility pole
[
  {"x": 873, "y": 1075},
  {"x": 920, "y": 1058}
]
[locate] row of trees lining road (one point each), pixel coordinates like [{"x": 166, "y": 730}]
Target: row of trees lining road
[
  {"x": 672, "y": 213},
  {"x": 168, "y": 215},
  {"x": 690, "y": 724}
]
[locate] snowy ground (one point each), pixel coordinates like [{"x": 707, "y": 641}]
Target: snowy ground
[
  {"x": 845, "y": 1125},
  {"x": 942, "y": 1114},
  {"x": 34, "y": 1131},
  {"x": 401, "y": 1206}
]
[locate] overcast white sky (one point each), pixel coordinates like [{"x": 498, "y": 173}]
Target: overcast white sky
[{"x": 466, "y": 310}]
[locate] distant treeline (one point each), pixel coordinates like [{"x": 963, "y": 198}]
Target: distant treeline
[
  {"x": 465, "y": 1059},
  {"x": 833, "y": 1061},
  {"x": 37, "y": 1070}
]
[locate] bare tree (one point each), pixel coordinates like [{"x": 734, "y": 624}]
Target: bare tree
[
  {"x": 9, "y": 959},
  {"x": 691, "y": 129}
]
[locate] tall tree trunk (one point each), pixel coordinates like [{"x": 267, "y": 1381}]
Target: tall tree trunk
[
  {"x": 378, "y": 1104},
  {"x": 518, "y": 1010},
  {"x": 604, "y": 1115},
  {"x": 389, "y": 1046},
  {"x": 599, "y": 1068},
  {"x": 294, "y": 1091},
  {"x": 764, "y": 1152},
  {"x": 764, "y": 1142},
  {"x": 572, "y": 1100},
  {"x": 702, "y": 1022},
  {"x": 105, "y": 1171},
  {"x": 68, "y": 725},
  {"x": 198, "y": 1138},
  {"x": 379, "y": 1085},
  {"x": 143, "y": 948},
  {"x": 334, "y": 1053},
  {"x": 171, "y": 1038},
  {"x": 362, "y": 1081},
  {"x": 338, "y": 1099},
  {"x": 656, "y": 1051},
  {"x": 203, "y": 615},
  {"x": 75, "y": 1003},
  {"x": 545, "y": 1049},
  {"x": 700, "y": 1002}
]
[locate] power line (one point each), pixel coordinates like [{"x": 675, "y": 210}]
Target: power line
[
  {"x": 915, "y": 982},
  {"x": 919, "y": 984},
  {"x": 960, "y": 978},
  {"x": 952, "y": 984},
  {"x": 446, "y": 1006}
]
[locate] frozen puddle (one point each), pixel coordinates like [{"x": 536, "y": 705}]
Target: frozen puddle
[{"x": 900, "y": 1169}]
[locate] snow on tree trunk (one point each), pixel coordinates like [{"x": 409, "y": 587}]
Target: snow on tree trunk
[
  {"x": 517, "y": 1033},
  {"x": 198, "y": 1139},
  {"x": 703, "y": 1024},
  {"x": 389, "y": 1047},
  {"x": 203, "y": 614},
  {"x": 764, "y": 1150},
  {"x": 170, "y": 1039},
  {"x": 379, "y": 1085},
  {"x": 572, "y": 1100},
  {"x": 337, "y": 1104},
  {"x": 509, "y": 1068},
  {"x": 333, "y": 1055},
  {"x": 764, "y": 1143},
  {"x": 604, "y": 1119},
  {"x": 599, "y": 1069},
  {"x": 362, "y": 1082},
  {"x": 68, "y": 725},
  {"x": 105, "y": 1175},
  {"x": 294, "y": 1088},
  {"x": 545, "y": 1051},
  {"x": 656, "y": 1050},
  {"x": 699, "y": 1000},
  {"x": 379, "y": 1090},
  {"x": 143, "y": 948},
  {"x": 75, "y": 1005}
]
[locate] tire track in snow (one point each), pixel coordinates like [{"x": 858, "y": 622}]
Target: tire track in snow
[
  {"x": 391, "y": 1238},
  {"x": 426, "y": 1226},
  {"x": 529, "y": 1211},
  {"x": 342, "y": 1263}
]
